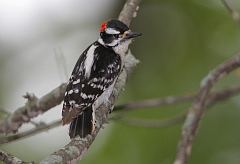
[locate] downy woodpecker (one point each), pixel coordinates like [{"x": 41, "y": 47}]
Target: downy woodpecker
[{"x": 94, "y": 76}]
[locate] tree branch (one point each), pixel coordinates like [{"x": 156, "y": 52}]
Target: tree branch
[
  {"x": 214, "y": 97},
  {"x": 32, "y": 108},
  {"x": 38, "y": 129},
  {"x": 234, "y": 13},
  {"x": 195, "y": 113},
  {"x": 129, "y": 11},
  {"x": 153, "y": 123},
  {"x": 9, "y": 158},
  {"x": 170, "y": 100},
  {"x": 78, "y": 146}
]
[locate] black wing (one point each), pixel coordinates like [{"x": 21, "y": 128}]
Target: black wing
[{"x": 82, "y": 91}]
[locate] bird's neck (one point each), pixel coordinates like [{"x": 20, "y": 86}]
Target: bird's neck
[{"x": 120, "y": 49}]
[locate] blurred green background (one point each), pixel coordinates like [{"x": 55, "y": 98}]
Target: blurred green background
[{"x": 182, "y": 42}]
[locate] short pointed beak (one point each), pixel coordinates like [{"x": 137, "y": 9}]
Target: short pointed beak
[{"x": 132, "y": 35}]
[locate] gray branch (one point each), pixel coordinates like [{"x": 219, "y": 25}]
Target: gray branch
[
  {"x": 129, "y": 11},
  {"x": 78, "y": 146},
  {"x": 32, "y": 108},
  {"x": 10, "y": 159},
  {"x": 196, "y": 111},
  {"x": 120, "y": 110},
  {"x": 232, "y": 11},
  {"x": 213, "y": 98},
  {"x": 42, "y": 127}
]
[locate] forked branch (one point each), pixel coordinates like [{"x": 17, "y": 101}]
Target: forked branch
[{"x": 196, "y": 111}]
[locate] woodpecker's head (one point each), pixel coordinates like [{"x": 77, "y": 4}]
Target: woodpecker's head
[{"x": 115, "y": 33}]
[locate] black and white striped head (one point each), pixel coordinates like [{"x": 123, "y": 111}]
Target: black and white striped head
[{"x": 114, "y": 33}]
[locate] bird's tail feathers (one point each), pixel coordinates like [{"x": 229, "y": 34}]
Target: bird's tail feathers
[{"x": 82, "y": 125}]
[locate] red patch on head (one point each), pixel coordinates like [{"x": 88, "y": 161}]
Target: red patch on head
[{"x": 103, "y": 27}]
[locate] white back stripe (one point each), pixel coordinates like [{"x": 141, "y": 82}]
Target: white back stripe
[{"x": 89, "y": 61}]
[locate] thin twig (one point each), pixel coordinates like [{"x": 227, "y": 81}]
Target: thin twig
[
  {"x": 32, "y": 108},
  {"x": 153, "y": 123},
  {"x": 155, "y": 102},
  {"x": 10, "y": 159},
  {"x": 196, "y": 111},
  {"x": 234, "y": 13},
  {"x": 214, "y": 97},
  {"x": 78, "y": 146},
  {"x": 38, "y": 129}
]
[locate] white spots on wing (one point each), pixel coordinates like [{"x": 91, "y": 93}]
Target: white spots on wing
[
  {"x": 111, "y": 66},
  {"x": 105, "y": 80},
  {"x": 101, "y": 87},
  {"x": 89, "y": 60},
  {"x": 83, "y": 85},
  {"x": 91, "y": 97},
  {"x": 66, "y": 93},
  {"x": 108, "y": 80},
  {"x": 95, "y": 79},
  {"x": 94, "y": 85},
  {"x": 72, "y": 102},
  {"x": 111, "y": 31},
  {"x": 76, "y": 82},
  {"x": 73, "y": 91},
  {"x": 76, "y": 90},
  {"x": 77, "y": 105},
  {"x": 70, "y": 92},
  {"x": 84, "y": 96},
  {"x": 110, "y": 71},
  {"x": 118, "y": 66},
  {"x": 101, "y": 83}
]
